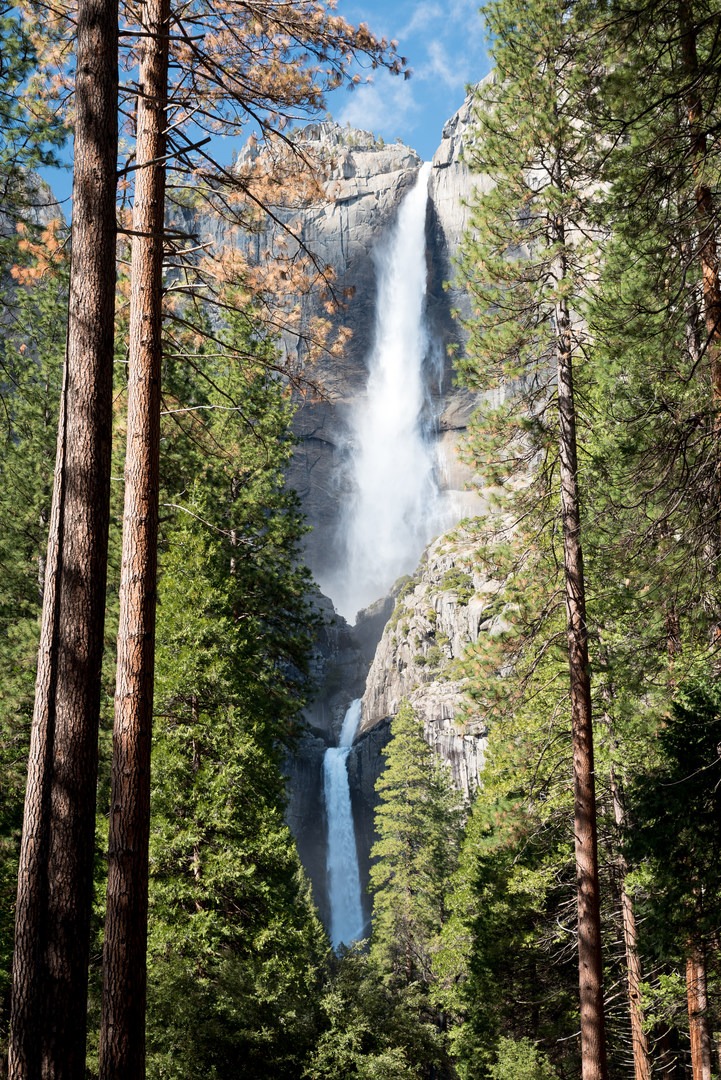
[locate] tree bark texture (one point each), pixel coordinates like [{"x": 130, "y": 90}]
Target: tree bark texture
[
  {"x": 55, "y": 881},
  {"x": 705, "y": 209},
  {"x": 697, "y": 1014},
  {"x": 122, "y": 1038},
  {"x": 641, "y": 1061},
  {"x": 593, "y": 1039}
]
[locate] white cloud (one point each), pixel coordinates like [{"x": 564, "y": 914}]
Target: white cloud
[
  {"x": 443, "y": 20},
  {"x": 445, "y": 45},
  {"x": 387, "y": 106},
  {"x": 441, "y": 66},
  {"x": 423, "y": 16}
]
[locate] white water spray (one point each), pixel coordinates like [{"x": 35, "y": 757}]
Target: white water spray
[
  {"x": 396, "y": 508},
  {"x": 344, "y": 889}
]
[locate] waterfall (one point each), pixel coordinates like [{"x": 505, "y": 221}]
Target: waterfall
[
  {"x": 344, "y": 889},
  {"x": 396, "y": 506}
]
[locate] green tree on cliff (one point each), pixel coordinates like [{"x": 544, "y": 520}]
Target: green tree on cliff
[{"x": 418, "y": 824}]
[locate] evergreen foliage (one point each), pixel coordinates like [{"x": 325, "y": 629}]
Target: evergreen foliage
[
  {"x": 593, "y": 241},
  {"x": 567, "y": 83},
  {"x": 373, "y": 1030},
  {"x": 673, "y": 832},
  {"x": 233, "y": 933},
  {"x": 417, "y": 827},
  {"x": 507, "y": 963},
  {"x": 30, "y": 129},
  {"x": 31, "y": 351},
  {"x": 521, "y": 1060}
]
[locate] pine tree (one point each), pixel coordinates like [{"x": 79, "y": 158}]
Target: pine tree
[
  {"x": 236, "y": 949},
  {"x": 661, "y": 99},
  {"x": 417, "y": 825},
  {"x": 528, "y": 261},
  {"x": 382, "y": 1011},
  {"x": 31, "y": 129},
  {"x": 241, "y": 54},
  {"x": 673, "y": 832},
  {"x": 31, "y": 354},
  {"x": 122, "y": 1041},
  {"x": 55, "y": 877},
  {"x": 653, "y": 481},
  {"x": 373, "y": 1031},
  {"x": 506, "y": 963}
]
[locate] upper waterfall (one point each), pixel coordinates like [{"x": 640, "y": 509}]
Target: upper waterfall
[{"x": 395, "y": 507}]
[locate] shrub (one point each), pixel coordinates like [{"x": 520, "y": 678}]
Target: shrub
[{"x": 520, "y": 1059}]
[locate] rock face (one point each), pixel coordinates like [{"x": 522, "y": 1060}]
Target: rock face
[
  {"x": 305, "y": 813},
  {"x": 37, "y": 206},
  {"x": 365, "y": 764},
  {"x": 438, "y": 613},
  {"x": 367, "y": 182},
  {"x": 424, "y": 630},
  {"x": 410, "y": 641}
]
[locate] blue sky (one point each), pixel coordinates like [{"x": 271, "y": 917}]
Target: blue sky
[{"x": 445, "y": 46}]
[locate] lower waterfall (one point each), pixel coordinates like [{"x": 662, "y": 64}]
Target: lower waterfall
[{"x": 344, "y": 888}]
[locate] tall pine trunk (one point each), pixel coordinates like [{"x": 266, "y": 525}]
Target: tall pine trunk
[
  {"x": 697, "y": 1000},
  {"x": 593, "y": 1038},
  {"x": 641, "y": 1061},
  {"x": 705, "y": 210},
  {"x": 122, "y": 1038},
  {"x": 55, "y": 880}
]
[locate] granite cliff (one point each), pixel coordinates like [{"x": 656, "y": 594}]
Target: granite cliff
[
  {"x": 345, "y": 226},
  {"x": 439, "y": 611}
]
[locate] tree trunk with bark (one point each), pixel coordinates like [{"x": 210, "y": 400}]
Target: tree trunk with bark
[
  {"x": 122, "y": 1037},
  {"x": 705, "y": 209},
  {"x": 697, "y": 1014},
  {"x": 593, "y": 1038},
  {"x": 641, "y": 1061},
  {"x": 55, "y": 880}
]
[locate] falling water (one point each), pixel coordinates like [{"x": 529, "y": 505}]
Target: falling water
[
  {"x": 344, "y": 890},
  {"x": 395, "y": 510}
]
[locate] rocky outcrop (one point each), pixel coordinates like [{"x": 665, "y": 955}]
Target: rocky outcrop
[
  {"x": 451, "y": 183},
  {"x": 365, "y": 764},
  {"x": 35, "y": 205},
  {"x": 424, "y": 630},
  {"x": 412, "y": 641},
  {"x": 432, "y": 617},
  {"x": 364, "y": 182},
  {"x": 346, "y": 228},
  {"x": 340, "y": 661},
  {"x": 305, "y": 812},
  {"x": 451, "y": 189},
  {"x": 438, "y": 613}
]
